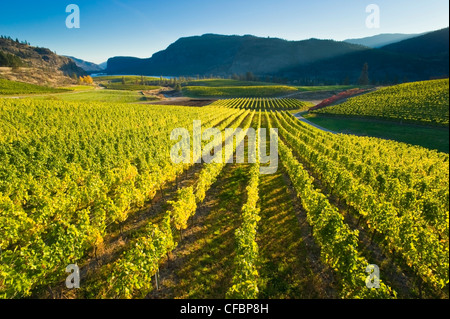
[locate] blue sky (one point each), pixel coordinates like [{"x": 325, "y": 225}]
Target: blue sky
[{"x": 140, "y": 28}]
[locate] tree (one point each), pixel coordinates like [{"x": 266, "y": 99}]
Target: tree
[
  {"x": 249, "y": 76},
  {"x": 346, "y": 80},
  {"x": 85, "y": 79},
  {"x": 364, "y": 78}
]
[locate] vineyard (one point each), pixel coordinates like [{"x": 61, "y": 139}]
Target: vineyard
[
  {"x": 92, "y": 184},
  {"x": 10, "y": 87},
  {"x": 419, "y": 102},
  {"x": 262, "y": 104},
  {"x": 238, "y": 91}
]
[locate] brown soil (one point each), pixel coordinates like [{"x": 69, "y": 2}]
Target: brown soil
[{"x": 36, "y": 76}]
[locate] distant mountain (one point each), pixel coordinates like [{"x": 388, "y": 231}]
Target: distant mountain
[
  {"x": 431, "y": 45},
  {"x": 381, "y": 40},
  {"x": 310, "y": 61},
  {"x": 87, "y": 66},
  {"x": 103, "y": 65},
  {"x": 37, "y": 65},
  {"x": 419, "y": 58},
  {"x": 384, "y": 68},
  {"x": 225, "y": 55}
]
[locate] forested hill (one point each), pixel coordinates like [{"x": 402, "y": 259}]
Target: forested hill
[
  {"x": 305, "y": 61},
  {"x": 226, "y": 55},
  {"x": 430, "y": 45}
]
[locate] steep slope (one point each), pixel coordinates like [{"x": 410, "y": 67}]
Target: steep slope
[
  {"x": 384, "y": 68},
  {"x": 38, "y": 65},
  {"x": 85, "y": 65},
  {"x": 310, "y": 61},
  {"x": 225, "y": 55},
  {"x": 416, "y": 59},
  {"x": 430, "y": 45}
]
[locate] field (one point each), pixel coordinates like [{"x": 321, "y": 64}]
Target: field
[
  {"x": 420, "y": 102},
  {"x": 112, "y": 96},
  {"x": 226, "y": 83},
  {"x": 237, "y": 91},
  {"x": 263, "y": 104},
  {"x": 432, "y": 137},
  {"x": 326, "y": 88},
  {"x": 130, "y": 87},
  {"x": 93, "y": 184},
  {"x": 15, "y": 88},
  {"x": 129, "y": 79}
]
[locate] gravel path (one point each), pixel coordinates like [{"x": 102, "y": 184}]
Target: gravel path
[{"x": 302, "y": 119}]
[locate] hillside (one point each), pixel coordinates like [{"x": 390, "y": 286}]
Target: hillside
[
  {"x": 308, "y": 62},
  {"x": 420, "y": 102},
  {"x": 384, "y": 68},
  {"x": 430, "y": 45},
  {"x": 87, "y": 66},
  {"x": 227, "y": 55},
  {"x": 36, "y": 65},
  {"x": 380, "y": 40},
  {"x": 9, "y": 88}
]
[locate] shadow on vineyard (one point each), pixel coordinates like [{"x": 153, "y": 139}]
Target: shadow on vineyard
[
  {"x": 202, "y": 265},
  {"x": 290, "y": 260},
  {"x": 93, "y": 270}
]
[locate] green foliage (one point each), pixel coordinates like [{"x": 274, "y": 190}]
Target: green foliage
[
  {"x": 262, "y": 104},
  {"x": 337, "y": 241},
  {"x": 419, "y": 102},
  {"x": 10, "y": 60},
  {"x": 131, "y": 275},
  {"x": 226, "y": 83},
  {"x": 127, "y": 79},
  {"x": 110, "y": 96},
  {"x": 386, "y": 184},
  {"x": 70, "y": 169},
  {"x": 244, "y": 283},
  {"x": 238, "y": 91},
  {"x": 11, "y": 87},
  {"x": 326, "y": 88},
  {"x": 183, "y": 208},
  {"x": 431, "y": 137},
  {"x": 130, "y": 87}
]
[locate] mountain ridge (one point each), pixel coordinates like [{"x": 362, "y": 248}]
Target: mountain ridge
[
  {"x": 224, "y": 55},
  {"x": 307, "y": 61},
  {"x": 383, "y": 39},
  {"x": 86, "y": 65}
]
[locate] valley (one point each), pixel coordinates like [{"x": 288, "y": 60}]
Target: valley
[{"x": 225, "y": 166}]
